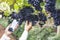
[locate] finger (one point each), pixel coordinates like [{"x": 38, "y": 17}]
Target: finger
[
  {"x": 30, "y": 23},
  {"x": 26, "y": 23}
]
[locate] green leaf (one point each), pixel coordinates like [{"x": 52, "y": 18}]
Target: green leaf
[
  {"x": 16, "y": 7},
  {"x": 10, "y": 2},
  {"x": 20, "y": 3},
  {"x": 6, "y": 13}
]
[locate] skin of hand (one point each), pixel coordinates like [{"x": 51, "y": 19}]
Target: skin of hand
[{"x": 28, "y": 26}]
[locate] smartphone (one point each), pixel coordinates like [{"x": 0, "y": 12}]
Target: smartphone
[{"x": 13, "y": 25}]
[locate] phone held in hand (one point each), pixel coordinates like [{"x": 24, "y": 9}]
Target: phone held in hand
[{"x": 13, "y": 25}]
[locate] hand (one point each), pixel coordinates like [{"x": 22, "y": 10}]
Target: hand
[
  {"x": 6, "y": 30},
  {"x": 28, "y": 26}
]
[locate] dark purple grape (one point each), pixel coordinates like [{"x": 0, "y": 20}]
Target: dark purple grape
[
  {"x": 38, "y": 8},
  {"x": 50, "y": 5},
  {"x": 36, "y": 4},
  {"x": 14, "y": 15},
  {"x": 42, "y": 17}
]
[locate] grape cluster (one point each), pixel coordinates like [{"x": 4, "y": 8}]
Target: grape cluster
[
  {"x": 36, "y": 4},
  {"x": 42, "y": 17},
  {"x": 50, "y": 5},
  {"x": 14, "y": 15},
  {"x": 27, "y": 14},
  {"x": 57, "y": 18}
]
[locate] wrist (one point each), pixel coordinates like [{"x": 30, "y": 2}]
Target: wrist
[{"x": 27, "y": 30}]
